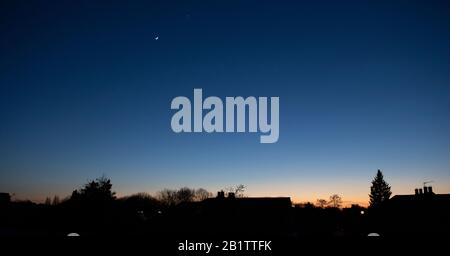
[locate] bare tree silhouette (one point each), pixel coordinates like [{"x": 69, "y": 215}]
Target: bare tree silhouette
[
  {"x": 237, "y": 190},
  {"x": 322, "y": 203},
  {"x": 171, "y": 197},
  {"x": 335, "y": 201},
  {"x": 202, "y": 194},
  {"x": 168, "y": 197},
  {"x": 185, "y": 195}
]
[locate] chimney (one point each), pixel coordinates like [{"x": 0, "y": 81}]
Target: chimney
[
  {"x": 425, "y": 190},
  {"x": 220, "y": 194},
  {"x": 430, "y": 190},
  {"x": 420, "y": 191},
  {"x": 416, "y": 191}
]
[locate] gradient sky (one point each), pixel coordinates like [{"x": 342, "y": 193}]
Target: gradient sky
[{"x": 85, "y": 90}]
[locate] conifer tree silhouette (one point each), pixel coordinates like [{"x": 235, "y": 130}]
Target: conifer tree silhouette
[{"x": 380, "y": 191}]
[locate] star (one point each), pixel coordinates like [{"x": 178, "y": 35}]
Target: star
[{"x": 156, "y": 38}]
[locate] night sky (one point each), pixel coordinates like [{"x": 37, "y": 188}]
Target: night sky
[{"x": 85, "y": 90}]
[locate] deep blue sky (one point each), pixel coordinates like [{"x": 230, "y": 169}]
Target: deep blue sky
[{"x": 85, "y": 90}]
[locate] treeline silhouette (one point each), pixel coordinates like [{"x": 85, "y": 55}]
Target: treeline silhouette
[{"x": 94, "y": 210}]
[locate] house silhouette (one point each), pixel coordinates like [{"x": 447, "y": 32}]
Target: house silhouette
[
  {"x": 230, "y": 215},
  {"x": 418, "y": 214}
]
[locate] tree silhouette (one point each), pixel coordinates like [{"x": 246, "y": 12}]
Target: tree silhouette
[
  {"x": 380, "y": 191},
  {"x": 321, "y": 203},
  {"x": 171, "y": 197},
  {"x": 140, "y": 202},
  {"x": 335, "y": 201},
  {"x": 48, "y": 201},
  {"x": 56, "y": 200},
  {"x": 98, "y": 190},
  {"x": 185, "y": 195},
  {"x": 237, "y": 190},
  {"x": 202, "y": 194},
  {"x": 168, "y": 197}
]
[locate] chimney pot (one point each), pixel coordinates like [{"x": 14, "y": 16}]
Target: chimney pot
[
  {"x": 430, "y": 190},
  {"x": 425, "y": 190},
  {"x": 420, "y": 191},
  {"x": 416, "y": 191}
]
